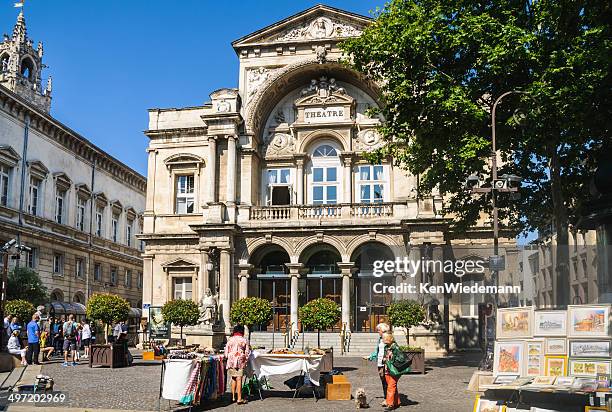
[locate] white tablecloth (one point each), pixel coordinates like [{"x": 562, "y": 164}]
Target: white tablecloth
[
  {"x": 270, "y": 364},
  {"x": 176, "y": 378}
]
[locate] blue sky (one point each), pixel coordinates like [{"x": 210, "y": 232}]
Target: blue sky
[{"x": 112, "y": 60}]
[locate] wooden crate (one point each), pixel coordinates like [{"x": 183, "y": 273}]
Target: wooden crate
[
  {"x": 339, "y": 379},
  {"x": 338, "y": 391}
]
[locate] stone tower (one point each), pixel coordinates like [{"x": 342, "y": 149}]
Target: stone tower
[{"x": 21, "y": 66}]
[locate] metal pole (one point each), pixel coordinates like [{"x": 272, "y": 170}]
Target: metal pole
[
  {"x": 24, "y": 166},
  {"x": 3, "y": 290}
]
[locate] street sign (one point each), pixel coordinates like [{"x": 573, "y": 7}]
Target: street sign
[
  {"x": 146, "y": 305},
  {"x": 497, "y": 263}
]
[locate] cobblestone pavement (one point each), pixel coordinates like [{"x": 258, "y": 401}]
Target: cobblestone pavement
[{"x": 442, "y": 388}]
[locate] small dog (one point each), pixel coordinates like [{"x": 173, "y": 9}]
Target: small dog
[{"x": 361, "y": 400}]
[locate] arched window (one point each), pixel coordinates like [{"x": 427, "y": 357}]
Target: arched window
[
  {"x": 27, "y": 68},
  {"x": 79, "y": 298},
  {"x": 57, "y": 296},
  {"x": 325, "y": 180}
]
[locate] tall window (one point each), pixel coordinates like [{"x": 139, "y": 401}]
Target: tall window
[
  {"x": 129, "y": 230},
  {"x": 325, "y": 184},
  {"x": 79, "y": 267},
  {"x": 60, "y": 202},
  {"x": 58, "y": 264},
  {"x": 99, "y": 221},
  {"x": 31, "y": 258},
  {"x": 34, "y": 201},
  {"x": 139, "y": 282},
  {"x": 184, "y": 194},
  {"x": 115, "y": 227},
  {"x": 5, "y": 174},
  {"x": 128, "y": 279},
  {"x": 371, "y": 184},
  {"x": 80, "y": 215},
  {"x": 279, "y": 186},
  {"x": 98, "y": 272},
  {"x": 113, "y": 276},
  {"x": 182, "y": 288}
]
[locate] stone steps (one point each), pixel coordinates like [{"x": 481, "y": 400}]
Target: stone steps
[{"x": 361, "y": 344}]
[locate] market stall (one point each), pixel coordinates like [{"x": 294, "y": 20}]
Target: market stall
[{"x": 553, "y": 360}]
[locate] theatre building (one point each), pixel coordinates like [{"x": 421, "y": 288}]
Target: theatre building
[{"x": 264, "y": 191}]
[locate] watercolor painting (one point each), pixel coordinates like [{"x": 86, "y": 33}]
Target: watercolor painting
[
  {"x": 508, "y": 358},
  {"x": 588, "y": 321},
  {"x": 550, "y": 323},
  {"x": 515, "y": 323}
]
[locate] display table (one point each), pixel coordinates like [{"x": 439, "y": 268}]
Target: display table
[{"x": 268, "y": 364}]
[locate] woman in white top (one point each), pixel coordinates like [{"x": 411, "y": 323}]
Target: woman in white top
[
  {"x": 14, "y": 347},
  {"x": 378, "y": 356},
  {"x": 86, "y": 337}
]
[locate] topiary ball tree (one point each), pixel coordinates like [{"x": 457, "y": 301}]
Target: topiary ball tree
[
  {"x": 320, "y": 314},
  {"x": 20, "y": 308},
  {"x": 405, "y": 313},
  {"x": 251, "y": 311},
  {"x": 181, "y": 312},
  {"x": 107, "y": 308}
]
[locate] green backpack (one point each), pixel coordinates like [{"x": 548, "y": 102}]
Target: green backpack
[{"x": 400, "y": 364}]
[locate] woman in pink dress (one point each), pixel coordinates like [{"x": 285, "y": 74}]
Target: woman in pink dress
[{"x": 237, "y": 351}]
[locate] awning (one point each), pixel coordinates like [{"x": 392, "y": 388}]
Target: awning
[
  {"x": 135, "y": 313},
  {"x": 65, "y": 308}
]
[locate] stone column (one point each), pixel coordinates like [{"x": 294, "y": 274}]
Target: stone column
[
  {"x": 231, "y": 169},
  {"x": 212, "y": 169},
  {"x": 225, "y": 270},
  {"x": 294, "y": 272},
  {"x": 347, "y": 162},
  {"x": 299, "y": 177},
  {"x": 243, "y": 278},
  {"x": 346, "y": 269}
]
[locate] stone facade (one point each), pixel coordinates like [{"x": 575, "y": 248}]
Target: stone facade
[
  {"x": 264, "y": 191},
  {"x": 78, "y": 208}
]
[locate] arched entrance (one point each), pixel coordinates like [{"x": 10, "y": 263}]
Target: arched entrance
[
  {"x": 369, "y": 307},
  {"x": 322, "y": 278},
  {"x": 272, "y": 282}
]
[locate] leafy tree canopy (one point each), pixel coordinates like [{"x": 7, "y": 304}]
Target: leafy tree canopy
[
  {"x": 405, "y": 313},
  {"x": 251, "y": 311},
  {"x": 20, "y": 308},
  {"x": 107, "y": 308},
  {"x": 181, "y": 312},
  {"x": 24, "y": 283},
  {"x": 320, "y": 314}
]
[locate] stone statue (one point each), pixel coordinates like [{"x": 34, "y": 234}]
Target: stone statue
[
  {"x": 321, "y": 53},
  {"x": 208, "y": 308},
  {"x": 333, "y": 86}
]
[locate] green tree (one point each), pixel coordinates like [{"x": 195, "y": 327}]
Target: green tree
[
  {"x": 107, "y": 308},
  {"x": 181, "y": 312},
  {"x": 320, "y": 314},
  {"x": 406, "y": 314},
  {"x": 441, "y": 65},
  {"x": 24, "y": 283},
  {"x": 251, "y": 311},
  {"x": 20, "y": 308}
]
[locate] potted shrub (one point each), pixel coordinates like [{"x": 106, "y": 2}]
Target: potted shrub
[
  {"x": 320, "y": 314},
  {"x": 20, "y": 308},
  {"x": 107, "y": 308},
  {"x": 181, "y": 312},
  {"x": 405, "y": 314},
  {"x": 251, "y": 311}
]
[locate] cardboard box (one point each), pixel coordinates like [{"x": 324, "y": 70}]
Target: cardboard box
[
  {"x": 338, "y": 391},
  {"x": 148, "y": 355}
]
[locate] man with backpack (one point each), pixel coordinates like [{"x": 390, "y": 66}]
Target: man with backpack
[{"x": 70, "y": 340}]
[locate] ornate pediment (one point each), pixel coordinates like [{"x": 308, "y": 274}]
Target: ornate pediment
[
  {"x": 322, "y": 92},
  {"x": 317, "y": 23}
]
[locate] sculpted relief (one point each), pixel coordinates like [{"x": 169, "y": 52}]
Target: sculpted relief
[
  {"x": 320, "y": 28},
  {"x": 278, "y": 144},
  {"x": 256, "y": 77},
  {"x": 367, "y": 140}
]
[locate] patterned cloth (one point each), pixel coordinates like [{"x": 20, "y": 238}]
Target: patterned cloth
[
  {"x": 237, "y": 351},
  {"x": 192, "y": 385}
]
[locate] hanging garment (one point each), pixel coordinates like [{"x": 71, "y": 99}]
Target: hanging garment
[{"x": 176, "y": 378}]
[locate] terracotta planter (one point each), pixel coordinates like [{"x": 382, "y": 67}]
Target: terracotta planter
[{"x": 418, "y": 361}]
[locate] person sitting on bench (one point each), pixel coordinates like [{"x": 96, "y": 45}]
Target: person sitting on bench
[{"x": 14, "y": 347}]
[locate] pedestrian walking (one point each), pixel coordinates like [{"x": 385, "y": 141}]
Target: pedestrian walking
[
  {"x": 396, "y": 365},
  {"x": 14, "y": 347},
  {"x": 33, "y": 330},
  {"x": 378, "y": 356},
  {"x": 237, "y": 350},
  {"x": 70, "y": 334},
  {"x": 86, "y": 337}
]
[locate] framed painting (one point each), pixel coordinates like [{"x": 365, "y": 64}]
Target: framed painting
[
  {"x": 534, "y": 358},
  {"x": 543, "y": 380},
  {"x": 550, "y": 323},
  {"x": 588, "y": 321},
  {"x": 555, "y": 366},
  {"x": 564, "y": 380},
  {"x": 589, "y": 367},
  {"x": 555, "y": 346},
  {"x": 486, "y": 405},
  {"x": 504, "y": 379},
  {"x": 590, "y": 348},
  {"x": 508, "y": 358},
  {"x": 515, "y": 323}
]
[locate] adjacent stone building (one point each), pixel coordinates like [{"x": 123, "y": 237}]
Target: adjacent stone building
[
  {"x": 264, "y": 191},
  {"x": 78, "y": 208}
]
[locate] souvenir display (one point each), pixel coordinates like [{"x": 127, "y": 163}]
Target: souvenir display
[
  {"x": 564, "y": 381},
  {"x": 590, "y": 348},
  {"x": 555, "y": 365},
  {"x": 508, "y": 358},
  {"x": 190, "y": 380},
  {"x": 515, "y": 323},
  {"x": 543, "y": 380},
  {"x": 485, "y": 405},
  {"x": 556, "y": 346},
  {"x": 550, "y": 323},
  {"x": 534, "y": 357},
  {"x": 589, "y": 367},
  {"x": 588, "y": 321}
]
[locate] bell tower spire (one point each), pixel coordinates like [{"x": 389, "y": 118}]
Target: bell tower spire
[{"x": 21, "y": 65}]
